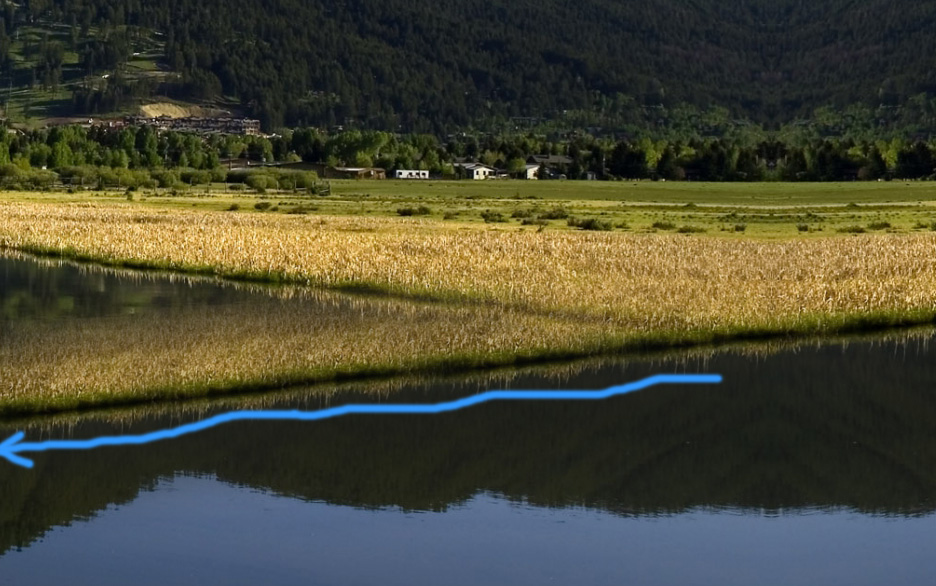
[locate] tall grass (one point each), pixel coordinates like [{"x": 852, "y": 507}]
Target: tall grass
[
  {"x": 640, "y": 280},
  {"x": 563, "y": 292}
]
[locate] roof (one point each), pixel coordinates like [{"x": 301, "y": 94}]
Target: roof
[
  {"x": 474, "y": 166},
  {"x": 551, "y": 159}
]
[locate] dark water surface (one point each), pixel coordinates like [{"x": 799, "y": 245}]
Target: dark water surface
[{"x": 813, "y": 463}]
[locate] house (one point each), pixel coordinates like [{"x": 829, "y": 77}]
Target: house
[
  {"x": 531, "y": 171},
  {"x": 475, "y": 171},
  {"x": 411, "y": 174},
  {"x": 551, "y": 166}
]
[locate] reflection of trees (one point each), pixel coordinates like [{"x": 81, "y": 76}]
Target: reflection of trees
[
  {"x": 31, "y": 290},
  {"x": 832, "y": 427}
]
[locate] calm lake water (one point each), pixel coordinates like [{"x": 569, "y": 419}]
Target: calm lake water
[{"x": 813, "y": 463}]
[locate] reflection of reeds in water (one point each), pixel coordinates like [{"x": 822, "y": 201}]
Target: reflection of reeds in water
[
  {"x": 427, "y": 385},
  {"x": 262, "y": 344}
]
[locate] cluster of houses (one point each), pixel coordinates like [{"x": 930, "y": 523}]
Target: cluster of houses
[
  {"x": 198, "y": 124},
  {"x": 536, "y": 167}
]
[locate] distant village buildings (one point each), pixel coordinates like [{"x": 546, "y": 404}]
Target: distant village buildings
[
  {"x": 411, "y": 174},
  {"x": 198, "y": 124}
]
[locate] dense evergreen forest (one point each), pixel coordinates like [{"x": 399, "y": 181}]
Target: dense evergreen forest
[{"x": 416, "y": 66}]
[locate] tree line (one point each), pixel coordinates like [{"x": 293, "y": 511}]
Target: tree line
[{"x": 102, "y": 157}]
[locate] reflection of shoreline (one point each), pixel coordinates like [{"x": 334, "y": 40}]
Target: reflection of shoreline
[
  {"x": 838, "y": 426},
  {"x": 440, "y": 386}
]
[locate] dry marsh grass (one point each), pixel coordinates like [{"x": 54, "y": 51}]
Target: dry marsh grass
[
  {"x": 533, "y": 295},
  {"x": 639, "y": 281}
]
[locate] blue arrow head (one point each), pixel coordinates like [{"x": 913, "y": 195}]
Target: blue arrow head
[{"x": 8, "y": 450}]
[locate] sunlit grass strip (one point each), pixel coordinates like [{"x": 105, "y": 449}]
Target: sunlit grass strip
[{"x": 644, "y": 281}]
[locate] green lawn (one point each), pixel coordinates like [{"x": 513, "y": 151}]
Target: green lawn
[
  {"x": 745, "y": 194},
  {"x": 735, "y": 210}
]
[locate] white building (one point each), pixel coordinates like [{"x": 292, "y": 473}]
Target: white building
[
  {"x": 411, "y": 174},
  {"x": 476, "y": 171},
  {"x": 531, "y": 172}
]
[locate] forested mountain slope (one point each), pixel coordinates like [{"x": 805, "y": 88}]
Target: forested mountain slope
[{"x": 424, "y": 66}]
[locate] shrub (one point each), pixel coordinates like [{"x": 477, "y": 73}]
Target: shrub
[
  {"x": 419, "y": 211},
  {"x": 449, "y": 215},
  {"x": 852, "y": 230},
  {"x": 663, "y": 225},
  {"x": 879, "y": 225},
  {"x": 258, "y": 183},
  {"x": 740, "y": 227},
  {"x": 262, "y": 205},
  {"x": 686, "y": 229},
  {"x": 589, "y": 224},
  {"x": 534, "y": 222},
  {"x": 302, "y": 210},
  {"x": 802, "y": 227},
  {"x": 490, "y": 217},
  {"x": 522, "y": 214},
  {"x": 556, "y": 213},
  {"x": 233, "y": 207}
]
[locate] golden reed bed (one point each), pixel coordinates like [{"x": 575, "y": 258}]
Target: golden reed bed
[
  {"x": 641, "y": 281},
  {"x": 548, "y": 293}
]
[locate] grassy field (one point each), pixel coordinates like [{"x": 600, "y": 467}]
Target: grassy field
[
  {"x": 735, "y": 194},
  {"x": 777, "y": 210}
]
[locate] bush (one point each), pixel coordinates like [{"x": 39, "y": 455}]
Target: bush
[
  {"x": 419, "y": 211},
  {"x": 589, "y": 224},
  {"x": 233, "y": 207},
  {"x": 262, "y": 205},
  {"x": 490, "y": 217},
  {"x": 557, "y": 213},
  {"x": 663, "y": 225},
  {"x": 449, "y": 215},
  {"x": 879, "y": 225},
  {"x": 802, "y": 227},
  {"x": 852, "y": 230},
  {"x": 258, "y": 183},
  {"x": 302, "y": 209},
  {"x": 165, "y": 177},
  {"x": 686, "y": 229},
  {"x": 522, "y": 214},
  {"x": 740, "y": 227},
  {"x": 534, "y": 222}
]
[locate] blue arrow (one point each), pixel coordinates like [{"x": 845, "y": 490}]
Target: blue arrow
[{"x": 11, "y": 448}]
